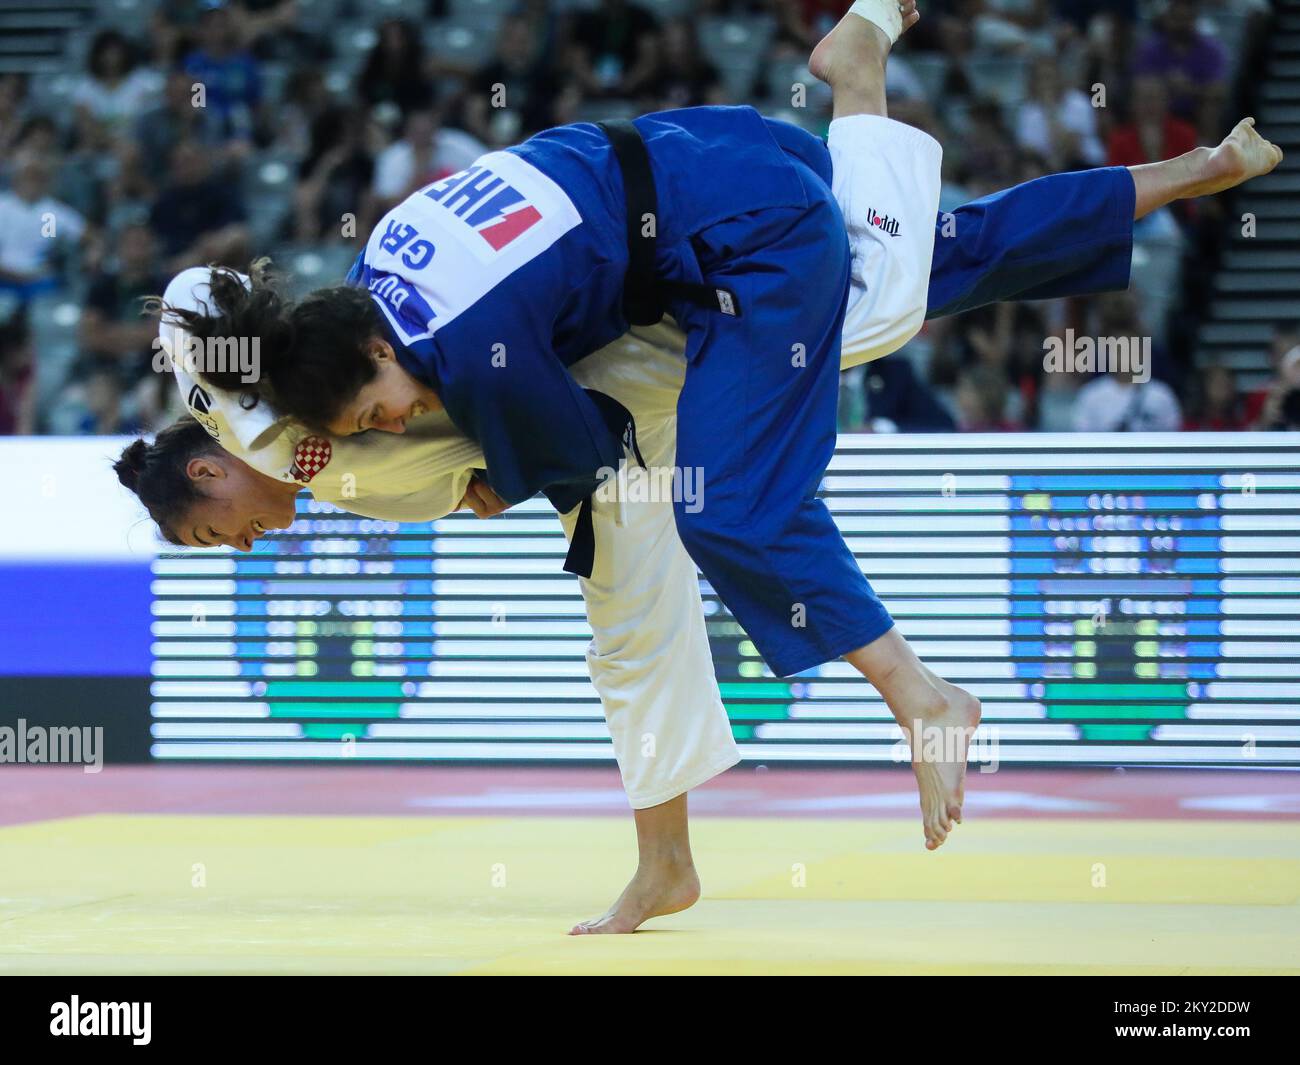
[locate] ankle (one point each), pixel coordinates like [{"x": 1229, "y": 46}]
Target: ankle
[{"x": 665, "y": 860}]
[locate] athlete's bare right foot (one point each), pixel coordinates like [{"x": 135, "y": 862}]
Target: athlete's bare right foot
[
  {"x": 656, "y": 891},
  {"x": 1243, "y": 154},
  {"x": 855, "y": 41},
  {"x": 940, "y": 740}
]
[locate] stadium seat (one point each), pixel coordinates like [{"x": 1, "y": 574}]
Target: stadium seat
[
  {"x": 603, "y": 110},
  {"x": 130, "y": 17},
  {"x": 315, "y": 13},
  {"x": 668, "y": 9},
  {"x": 312, "y": 266},
  {"x": 931, "y": 69},
  {"x": 268, "y": 192},
  {"x": 379, "y": 10},
  {"x": 352, "y": 44},
  {"x": 1004, "y": 78},
  {"x": 478, "y": 9},
  {"x": 468, "y": 41},
  {"x": 53, "y": 318}
]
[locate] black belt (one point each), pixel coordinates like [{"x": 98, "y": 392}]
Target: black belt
[
  {"x": 645, "y": 296},
  {"x": 582, "y": 545},
  {"x": 645, "y": 300}
]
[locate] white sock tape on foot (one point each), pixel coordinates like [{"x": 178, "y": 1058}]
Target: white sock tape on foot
[{"x": 884, "y": 14}]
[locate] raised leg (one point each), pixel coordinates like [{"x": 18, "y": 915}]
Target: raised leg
[
  {"x": 938, "y": 718},
  {"x": 851, "y": 58}
]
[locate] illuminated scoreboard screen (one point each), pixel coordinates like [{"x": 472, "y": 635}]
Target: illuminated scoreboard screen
[{"x": 1112, "y": 600}]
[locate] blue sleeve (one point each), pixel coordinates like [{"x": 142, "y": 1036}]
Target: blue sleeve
[{"x": 1060, "y": 235}]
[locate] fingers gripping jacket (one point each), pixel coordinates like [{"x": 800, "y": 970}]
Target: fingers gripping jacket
[{"x": 886, "y": 180}]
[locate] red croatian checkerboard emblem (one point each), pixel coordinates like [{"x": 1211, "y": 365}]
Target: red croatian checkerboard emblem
[{"x": 310, "y": 457}]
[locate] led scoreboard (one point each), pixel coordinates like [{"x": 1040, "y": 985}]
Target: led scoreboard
[{"x": 1122, "y": 599}]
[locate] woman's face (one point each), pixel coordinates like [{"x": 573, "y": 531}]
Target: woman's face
[
  {"x": 237, "y": 507},
  {"x": 387, "y": 401}
]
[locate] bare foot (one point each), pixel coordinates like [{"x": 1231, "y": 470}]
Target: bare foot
[
  {"x": 940, "y": 742},
  {"x": 1242, "y": 155},
  {"x": 653, "y": 892},
  {"x": 854, "y": 40}
]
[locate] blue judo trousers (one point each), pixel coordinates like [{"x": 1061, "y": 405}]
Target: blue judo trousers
[{"x": 744, "y": 202}]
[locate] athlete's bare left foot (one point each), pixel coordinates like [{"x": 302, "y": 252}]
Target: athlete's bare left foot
[
  {"x": 655, "y": 891},
  {"x": 855, "y": 41},
  {"x": 1243, "y": 154},
  {"x": 940, "y": 739}
]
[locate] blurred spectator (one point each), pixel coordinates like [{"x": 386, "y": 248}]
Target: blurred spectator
[
  {"x": 1286, "y": 335},
  {"x": 115, "y": 89},
  {"x": 684, "y": 77},
  {"x": 1008, "y": 25},
  {"x": 17, "y": 376},
  {"x": 614, "y": 50},
  {"x": 426, "y": 152},
  {"x": 897, "y": 401},
  {"x": 1281, "y": 407},
  {"x": 34, "y": 229},
  {"x": 1193, "y": 65},
  {"x": 1007, "y": 339},
  {"x": 228, "y": 73},
  {"x": 1058, "y": 123},
  {"x": 982, "y": 401},
  {"x": 396, "y": 71},
  {"x": 13, "y": 110},
  {"x": 173, "y": 119},
  {"x": 1151, "y": 132},
  {"x": 1219, "y": 407},
  {"x": 334, "y": 180},
  {"x": 1056, "y": 399},
  {"x": 93, "y": 404},
  {"x": 513, "y": 95},
  {"x": 113, "y": 333},
  {"x": 989, "y": 155},
  {"x": 306, "y": 99},
  {"x": 1114, "y": 403},
  {"x": 198, "y": 217}
]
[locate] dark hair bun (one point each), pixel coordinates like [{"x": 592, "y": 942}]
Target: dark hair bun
[{"x": 129, "y": 467}]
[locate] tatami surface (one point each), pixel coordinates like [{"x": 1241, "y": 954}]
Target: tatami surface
[{"x": 246, "y": 893}]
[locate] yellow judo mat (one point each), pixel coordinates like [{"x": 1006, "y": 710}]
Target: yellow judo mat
[{"x": 254, "y": 894}]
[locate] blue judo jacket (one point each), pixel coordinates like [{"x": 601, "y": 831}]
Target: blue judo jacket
[{"x": 496, "y": 279}]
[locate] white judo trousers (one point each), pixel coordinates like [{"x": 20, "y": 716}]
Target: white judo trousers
[{"x": 649, "y": 657}]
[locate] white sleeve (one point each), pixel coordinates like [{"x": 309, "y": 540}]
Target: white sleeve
[{"x": 886, "y": 180}]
